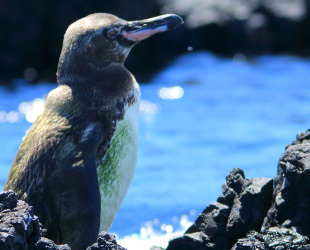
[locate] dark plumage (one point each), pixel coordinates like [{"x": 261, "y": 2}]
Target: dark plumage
[{"x": 56, "y": 167}]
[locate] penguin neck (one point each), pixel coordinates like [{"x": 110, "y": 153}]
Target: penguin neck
[
  {"x": 114, "y": 80},
  {"x": 79, "y": 68}
]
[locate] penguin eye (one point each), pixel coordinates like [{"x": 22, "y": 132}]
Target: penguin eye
[{"x": 112, "y": 33}]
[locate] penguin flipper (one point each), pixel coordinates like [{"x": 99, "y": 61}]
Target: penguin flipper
[
  {"x": 59, "y": 179},
  {"x": 79, "y": 200},
  {"x": 78, "y": 195}
]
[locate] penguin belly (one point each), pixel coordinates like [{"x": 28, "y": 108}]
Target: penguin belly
[{"x": 118, "y": 165}]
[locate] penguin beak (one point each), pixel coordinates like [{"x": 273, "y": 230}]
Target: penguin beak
[{"x": 138, "y": 30}]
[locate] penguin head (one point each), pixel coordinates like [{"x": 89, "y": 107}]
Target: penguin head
[{"x": 100, "y": 40}]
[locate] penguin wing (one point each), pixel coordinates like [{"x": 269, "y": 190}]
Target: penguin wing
[
  {"x": 79, "y": 197},
  {"x": 55, "y": 172}
]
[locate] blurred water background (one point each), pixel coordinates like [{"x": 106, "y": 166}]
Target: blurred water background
[{"x": 199, "y": 117}]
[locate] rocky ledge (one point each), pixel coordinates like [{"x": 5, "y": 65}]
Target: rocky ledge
[
  {"x": 250, "y": 214},
  {"x": 20, "y": 229},
  {"x": 258, "y": 213}
]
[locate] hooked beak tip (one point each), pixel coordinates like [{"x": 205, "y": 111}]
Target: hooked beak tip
[
  {"x": 176, "y": 21},
  {"x": 145, "y": 28}
]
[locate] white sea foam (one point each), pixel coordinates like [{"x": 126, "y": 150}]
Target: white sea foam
[{"x": 155, "y": 234}]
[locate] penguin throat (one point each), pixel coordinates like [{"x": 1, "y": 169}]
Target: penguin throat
[{"x": 107, "y": 57}]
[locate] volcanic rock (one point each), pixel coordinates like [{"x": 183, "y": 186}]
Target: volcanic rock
[
  {"x": 106, "y": 241},
  {"x": 258, "y": 213},
  {"x": 241, "y": 207},
  {"x": 274, "y": 238},
  {"x": 291, "y": 198},
  {"x": 20, "y": 229}
]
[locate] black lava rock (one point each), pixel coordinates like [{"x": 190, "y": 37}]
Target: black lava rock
[
  {"x": 258, "y": 214},
  {"x": 242, "y": 207},
  {"x": 291, "y": 198},
  {"x": 20, "y": 229},
  {"x": 41, "y": 243},
  {"x": 106, "y": 241},
  {"x": 189, "y": 241},
  {"x": 274, "y": 238}
]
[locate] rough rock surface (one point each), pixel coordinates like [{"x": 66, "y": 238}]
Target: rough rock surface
[
  {"x": 241, "y": 207},
  {"x": 106, "y": 241},
  {"x": 20, "y": 229},
  {"x": 291, "y": 198},
  {"x": 254, "y": 214},
  {"x": 274, "y": 238}
]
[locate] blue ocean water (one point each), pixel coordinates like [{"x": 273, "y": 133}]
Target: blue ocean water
[{"x": 200, "y": 117}]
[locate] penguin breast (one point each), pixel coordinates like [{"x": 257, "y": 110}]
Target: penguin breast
[{"x": 116, "y": 169}]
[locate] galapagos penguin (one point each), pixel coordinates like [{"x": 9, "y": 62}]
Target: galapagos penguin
[{"x": 77, "y": 160}]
